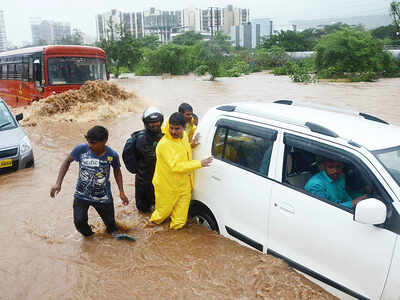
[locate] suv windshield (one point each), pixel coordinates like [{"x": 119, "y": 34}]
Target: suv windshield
[
  {"x": 75, "y": 70},
  {"x": 6, "y": 119},
  {"x": 390, "y": 158}
]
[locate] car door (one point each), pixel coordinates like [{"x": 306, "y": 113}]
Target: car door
[
  {"x": 242, "y": 154},
  {"x": 321, "y": 238}
]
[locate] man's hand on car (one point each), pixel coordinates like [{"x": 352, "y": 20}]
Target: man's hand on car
[{"x": 206, "y": 162}]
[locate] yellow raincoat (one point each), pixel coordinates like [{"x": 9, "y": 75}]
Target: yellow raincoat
[
  {"x": 190, "y": 129},
  {"x": 173, "y": 180}
]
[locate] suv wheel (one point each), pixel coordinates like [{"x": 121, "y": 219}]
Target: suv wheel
[{"x": 202, "y": 215}]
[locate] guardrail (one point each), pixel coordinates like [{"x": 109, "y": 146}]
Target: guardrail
[{"x": 307, "y": 54}]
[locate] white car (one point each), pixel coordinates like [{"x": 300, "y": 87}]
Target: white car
[
  {"x": 15, "y": 147},
  {"x": 265, "y": 153}
]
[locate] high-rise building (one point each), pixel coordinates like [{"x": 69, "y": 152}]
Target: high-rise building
[
  {"x": 3, "y": 35},
  {"x": 250, "y": 35},
  {"x": 153, "y": 21},
  {"x": 234, "y": 16},
  {"x": 108, "y": 25},
  {"x": 163, "y": 23},
  {"x": 133, "y": 23},
  {"x": 167, "y": 23},
  {"x": 45, "y": 32},
  {"x": 213, "y": 19}
]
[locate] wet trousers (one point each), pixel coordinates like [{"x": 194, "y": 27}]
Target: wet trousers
[
  {"x": 144, "y": 195},
  {"x": 105, "y": 210},
  {"x": 174, "y": 205}
]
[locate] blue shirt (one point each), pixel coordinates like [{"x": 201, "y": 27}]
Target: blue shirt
[
  {"x": 94, "y": 173},
  {"x": 325, "y": 187}
]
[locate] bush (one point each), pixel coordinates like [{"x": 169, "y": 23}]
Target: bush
[
  {"x": 353, "y": 53},
  {"x": 300, "y": 74},
  {"x": 118, "y": 71},
  {"x": 201, "y": 70},
  {"x": 365, "y": 76},
  {"x": 285, "y": 70},
  {"x": 277, "y": 57}
]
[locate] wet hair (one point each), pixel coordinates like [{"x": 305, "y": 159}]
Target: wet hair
[
  {"x": 185, "y": 107},
  {"x": 97, "y": 134},
  {"x": 177, "y": 118}
]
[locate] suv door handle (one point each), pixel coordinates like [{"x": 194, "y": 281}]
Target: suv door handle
[
  {"x": 216, "y": 178},
  {"x": 285, "y": 207}
]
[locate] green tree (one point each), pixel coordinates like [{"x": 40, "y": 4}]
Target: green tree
[
  {"x": 170, "y": 58},
  {"x": 149, "y": 41},
  {"x": 351, "y": 51},
  {"x": 189, "y": 38},
  {"x": 386, "y": 33},
  {"x": 291, "y": 41},
  {"x": 213, "y": 53},
  {"x": 122, "y": 49},
  {"x": 395, "y": 14}
]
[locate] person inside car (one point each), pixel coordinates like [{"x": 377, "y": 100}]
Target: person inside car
[{"x": 330, "y": 184}]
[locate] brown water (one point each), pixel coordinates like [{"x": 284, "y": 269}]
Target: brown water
[{"x": 43, "y": 257}]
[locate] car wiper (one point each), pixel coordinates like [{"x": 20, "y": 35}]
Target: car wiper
[{"x": 5, "y": 124}]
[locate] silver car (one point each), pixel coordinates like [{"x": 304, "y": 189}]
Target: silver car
[{"x": 15, "y": 146}]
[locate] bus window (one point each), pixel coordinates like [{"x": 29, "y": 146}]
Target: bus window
[
  {"x": 19, "y": 68},
  {"x": 75, "y": 70},
  {"x": 30, "y": 75},
  {"x": 11, "y": 71},
  {"x": 4, "y": 71},
  {"x": 25, "y": 72},
  {"x": 37, "y": 72}
]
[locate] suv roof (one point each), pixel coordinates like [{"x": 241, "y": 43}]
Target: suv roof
[{"x": 364, "y": 129}]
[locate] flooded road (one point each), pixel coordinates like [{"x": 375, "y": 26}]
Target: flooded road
[{"x": 43, "y": 257}]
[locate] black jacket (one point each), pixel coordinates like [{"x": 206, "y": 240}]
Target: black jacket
[{"x": 145, "y": 153}]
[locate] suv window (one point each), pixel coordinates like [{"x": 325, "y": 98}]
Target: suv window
[
  {"x": 329, "y": 176},
  {"x": 243, "y": 149}
]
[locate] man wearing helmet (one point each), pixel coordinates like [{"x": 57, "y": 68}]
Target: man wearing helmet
[{"x": 140, "y": 149}]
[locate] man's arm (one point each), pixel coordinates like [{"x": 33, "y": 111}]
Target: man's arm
[
  {"x": 61, "y": 174},
  {"x": 118, "y": 179}
]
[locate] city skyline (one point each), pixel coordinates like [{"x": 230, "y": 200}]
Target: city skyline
[{"x": 81, "y": 15}]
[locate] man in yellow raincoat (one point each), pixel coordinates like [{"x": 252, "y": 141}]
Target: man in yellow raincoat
[{"x": 173, "y": 176}]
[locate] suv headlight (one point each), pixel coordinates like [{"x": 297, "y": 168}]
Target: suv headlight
[{"x": 25, "y": 146}]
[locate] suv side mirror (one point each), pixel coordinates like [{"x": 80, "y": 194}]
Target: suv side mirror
[
  {"x": 370, "y": 211},
  {"x": 19, "y": 117}
]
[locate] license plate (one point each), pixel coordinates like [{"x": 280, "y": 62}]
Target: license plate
[{"x": 5, "y": 163}]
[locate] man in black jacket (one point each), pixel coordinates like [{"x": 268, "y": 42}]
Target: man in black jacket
[{"x": 140, "y": 157}]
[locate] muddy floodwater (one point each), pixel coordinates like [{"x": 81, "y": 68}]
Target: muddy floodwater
[{"x": 43, "y": 257}]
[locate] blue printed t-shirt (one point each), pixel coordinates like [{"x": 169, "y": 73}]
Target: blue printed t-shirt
[
  {"x": 325, "y": 187},
  {"x": 94, "y": 173}
]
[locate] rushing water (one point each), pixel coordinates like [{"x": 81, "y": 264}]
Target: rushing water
[{"x": 43, "y": 257}]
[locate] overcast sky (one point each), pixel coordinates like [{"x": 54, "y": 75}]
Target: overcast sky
[{"x": 81, "y": 13}]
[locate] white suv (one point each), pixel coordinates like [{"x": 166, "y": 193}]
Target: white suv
[{"x": 254, "y": 192}]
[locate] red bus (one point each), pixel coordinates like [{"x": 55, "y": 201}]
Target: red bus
[{"x": 33, "y": 73}]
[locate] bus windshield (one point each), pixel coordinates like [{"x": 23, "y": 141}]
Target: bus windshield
[{"x": 75, "y": 70}]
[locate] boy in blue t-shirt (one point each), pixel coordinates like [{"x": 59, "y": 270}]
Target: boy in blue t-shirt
[{"x": 93, "y": 186}]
